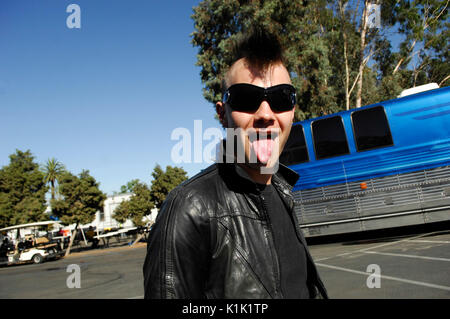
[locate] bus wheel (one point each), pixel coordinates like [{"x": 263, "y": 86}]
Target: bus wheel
[{"x": 37, "y": 259}]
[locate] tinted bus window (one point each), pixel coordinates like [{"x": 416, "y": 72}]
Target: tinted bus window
[
  {"x": 295, "y": 150},
  {"x": 371, "y": 129},
  {"x": 329, "y": 137}
]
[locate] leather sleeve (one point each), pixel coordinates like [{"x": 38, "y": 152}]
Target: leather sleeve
[{"x": 176, "y": 265}]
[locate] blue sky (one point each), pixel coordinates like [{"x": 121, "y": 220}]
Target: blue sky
[{"x": 105, "y": 97}]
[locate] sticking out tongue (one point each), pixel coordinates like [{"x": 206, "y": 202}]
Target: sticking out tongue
[{"x": 263, "y": 149}]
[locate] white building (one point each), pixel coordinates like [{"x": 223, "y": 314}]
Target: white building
[{"x": 105, "y": 220}]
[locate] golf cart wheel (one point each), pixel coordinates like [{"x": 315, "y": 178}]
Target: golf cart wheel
[{"x": 37, "y": 259}]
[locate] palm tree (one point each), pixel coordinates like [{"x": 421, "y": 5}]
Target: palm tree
[{"x": 53, "y": 170}]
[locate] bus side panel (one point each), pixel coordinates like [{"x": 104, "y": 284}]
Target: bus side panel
[
  {"x": 400, "y": 200},
  {"x": 421, "y": 120},
  {"x": 404, "y": 184}
]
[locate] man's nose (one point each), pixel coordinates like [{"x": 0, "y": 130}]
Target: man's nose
[{"x": 264, "y": 113}]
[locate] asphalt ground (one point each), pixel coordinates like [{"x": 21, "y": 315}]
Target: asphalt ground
[
  {"x": 410, "y": 265},
  {"x": 400, "y": 266},
  {"x": 110, "y": 273}
]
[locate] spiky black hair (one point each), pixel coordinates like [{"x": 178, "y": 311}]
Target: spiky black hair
[{"x": 259, "y": 47}]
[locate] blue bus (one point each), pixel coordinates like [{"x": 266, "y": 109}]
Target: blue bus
[{"x": 379, "y": 166}]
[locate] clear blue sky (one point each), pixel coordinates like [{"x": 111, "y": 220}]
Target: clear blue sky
[{"x": 105, "y": 97}]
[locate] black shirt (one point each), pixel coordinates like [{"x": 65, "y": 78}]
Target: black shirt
[{"x": 291, "y": 252}]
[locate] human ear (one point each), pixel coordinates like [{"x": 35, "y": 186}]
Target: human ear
[{"x": 220, "y": 110}]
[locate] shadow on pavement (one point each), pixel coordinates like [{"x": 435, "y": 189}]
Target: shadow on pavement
[{"x": 380, "y": 236}]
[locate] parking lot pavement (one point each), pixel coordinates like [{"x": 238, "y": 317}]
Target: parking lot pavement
[
  {"x": 412, "y": 266},
  {"x": 103, "y": 274}
]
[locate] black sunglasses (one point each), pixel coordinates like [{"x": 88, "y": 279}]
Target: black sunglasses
[{"x": 244, "y": 97}]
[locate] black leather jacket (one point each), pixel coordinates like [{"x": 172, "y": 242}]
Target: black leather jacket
[{"x": 212, "y": 239}]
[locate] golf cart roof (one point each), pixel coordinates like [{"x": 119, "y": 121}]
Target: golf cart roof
[{"x": 30, "y": 225}]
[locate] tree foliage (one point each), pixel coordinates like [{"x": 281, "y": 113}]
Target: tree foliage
[
  {"x": 80, "y": 198},
  {"x": 52, "y": 170},
  {"x": 337, "y": 60},
  {"x": 128, "y": 188},
  {"x": 145, "y": 198},
  {"x": 138, "y": 206},
  {"x": 424, "y": 24},
  {"x": 164, "y": 181},
  {"x": 22, "y": 191}
]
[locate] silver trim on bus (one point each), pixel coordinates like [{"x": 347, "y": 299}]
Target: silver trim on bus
[{"x": 376, "y": 217}]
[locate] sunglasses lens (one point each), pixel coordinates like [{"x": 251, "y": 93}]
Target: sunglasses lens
[
  {"x": 247, "y": 98},
  {"x": 282, "y": 98}
]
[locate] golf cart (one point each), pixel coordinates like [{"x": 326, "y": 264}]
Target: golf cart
[{"x": 30, "y": 245}]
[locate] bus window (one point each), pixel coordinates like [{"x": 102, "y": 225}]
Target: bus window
[
  {"x": 371, "y": 129},
  {"x": 329, "y": 137},
  {"x": 295, "y": 150}
]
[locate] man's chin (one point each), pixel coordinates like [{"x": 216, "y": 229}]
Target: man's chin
[{"x": 264, "y": 168}]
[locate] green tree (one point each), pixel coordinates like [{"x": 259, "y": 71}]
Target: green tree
[
  {"x": 22, "y": 191},
  {"x": 424, "y": 24},
  {"x": 53, "y": 169},
  {"x": 138, "y": 206},
  {"x": 164, "y": 181},
  {"x": 300, "y": 27},
  {"x": 337, "y": 60},
  {"x": 80, "y": 199},
  {"x": 128, "y": 188}
]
